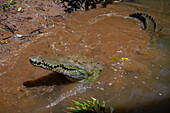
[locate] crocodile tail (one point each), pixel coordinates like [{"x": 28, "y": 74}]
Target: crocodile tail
[
  {"x": 141, "y": 18},
  {"x": 149, "y": 23}
]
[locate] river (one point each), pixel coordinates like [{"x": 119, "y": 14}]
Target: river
[{"x": 139, "y": 83}]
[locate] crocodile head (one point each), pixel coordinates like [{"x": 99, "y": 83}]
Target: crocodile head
[{"x": 73, "y": 66}]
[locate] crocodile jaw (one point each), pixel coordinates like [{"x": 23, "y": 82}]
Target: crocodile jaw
[{"x": 67, "y": 65}]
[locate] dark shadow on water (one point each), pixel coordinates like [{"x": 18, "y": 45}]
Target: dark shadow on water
[
  {"x": 157, "y": 106},
  {"x": 48, "y": 80}
]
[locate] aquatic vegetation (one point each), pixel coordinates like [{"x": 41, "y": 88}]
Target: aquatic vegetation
[
  {"x": 60, "y": 43},
  {"x": 88, "y": 106},
  {"x": 12, "y": 2}
]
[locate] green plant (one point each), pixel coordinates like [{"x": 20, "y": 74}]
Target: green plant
[
  {"x": 20, "y": 1},
  {"x": 88, "y": 106},
  {"x": 12, "y": 2}
]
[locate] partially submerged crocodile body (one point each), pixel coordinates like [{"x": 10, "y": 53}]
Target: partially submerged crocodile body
[
  {"x": 149, "y": 24},
  {"x": 72, "y": 66},
  {"x": 79, "y": 67}
]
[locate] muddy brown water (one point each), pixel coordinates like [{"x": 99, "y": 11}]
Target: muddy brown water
[{"x": 139, "y": 84}]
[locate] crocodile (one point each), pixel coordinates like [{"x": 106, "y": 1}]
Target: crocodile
[
  {"x": 74, "y": 67},
  {"x": 77, "y": 67}
]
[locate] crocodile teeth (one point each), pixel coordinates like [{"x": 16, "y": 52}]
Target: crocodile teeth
[
  {"x": 39, "y": 63},
  {"x": 35, "y": 62}
]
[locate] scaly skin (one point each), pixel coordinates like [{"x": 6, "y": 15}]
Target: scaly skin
[
  {"x": 149, "y": 24},
  {"x": 73, "y": 66}
]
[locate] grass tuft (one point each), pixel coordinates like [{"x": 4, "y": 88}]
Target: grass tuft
[
  {"x": 88, "y": 106},
  {"x": 12, "y": 2}
]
